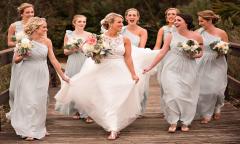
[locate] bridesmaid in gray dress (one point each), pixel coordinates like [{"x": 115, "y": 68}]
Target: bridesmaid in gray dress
[
  {"x": 179, "y": 79},
  {"x": 74, "y": 63},
  {"x": 31, "y": 90},
  {"x": 138, "y": 37},
  {"x": 213, "y": 69},
  {"x": 170, "y": 15},
  {"x": 26, "y": 11}
]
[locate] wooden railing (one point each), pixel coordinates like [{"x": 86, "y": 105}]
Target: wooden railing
[{"x": 233, "y": 82}]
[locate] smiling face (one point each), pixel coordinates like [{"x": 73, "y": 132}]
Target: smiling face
[
  {"x": 132, "y": 17},
  {"x": 203, "y": 22},
  {"x": 180, "y": 23},
  {"x": 80, "y": 23},
  {"x": 117, "y": 24},
  {"x": 42, "y": 30},
  {"x": 27, "y": 13},
  {"x": 170, "y": 16}
]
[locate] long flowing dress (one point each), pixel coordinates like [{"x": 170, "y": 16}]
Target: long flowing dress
[
  {"x": 74, "y": 64},
  {"x": 106, "y": 91},
  {"x": 135, "y": 40},
  {"x": 14, "y": 71},
  {"x": 179, "y": 84},
  {"x": 30, "y": 94},
  {"x": 213, "y": 78}
]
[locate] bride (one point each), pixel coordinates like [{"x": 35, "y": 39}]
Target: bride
[{"x": 108, "y": 92}]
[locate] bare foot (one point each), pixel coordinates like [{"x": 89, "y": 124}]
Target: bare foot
[
  {"x": 47, "y": 133},
  {"x": 29, "y": 139},
  {"x": 113, "y": 135},
  {"x": 205, "y": 120},
  {"x": 88, "y": 120},
  {"x": 184, "y": 128},
  {"x": 172, "y": 128},
  {"x": 217, "y": 116},
  {"x": 76, "y": 116}
]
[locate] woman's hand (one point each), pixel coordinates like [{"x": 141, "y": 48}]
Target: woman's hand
[
  {"x": 136, "y": 78},
  {"x": 66, "y": 78},
  {"x": 147, "y": 69}
]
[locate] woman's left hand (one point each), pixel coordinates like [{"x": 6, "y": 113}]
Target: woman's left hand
[
  {"x": 66, "y": 78},
  {"x": 146, "y": 70}
]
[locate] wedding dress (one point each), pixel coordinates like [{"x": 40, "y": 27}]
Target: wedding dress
[{"x": 106, "y": 91}]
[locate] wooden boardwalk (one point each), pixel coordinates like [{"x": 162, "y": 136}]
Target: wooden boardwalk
[{"x": 152, "y": 128}]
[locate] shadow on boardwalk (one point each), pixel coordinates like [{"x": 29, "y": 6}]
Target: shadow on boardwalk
[{"x": 152, "y": 128}]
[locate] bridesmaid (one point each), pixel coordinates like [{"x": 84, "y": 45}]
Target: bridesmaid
[
  {"x": 75, "y": 62},
  {"x": 213, "y": 70},
  {"x": 31, "y": 90},
  {"x": 138, "y": 37},
  {"x": 26, "y": 11},
  {"x": 179, "y": 80},
  {"x": 170, "y": 15}
]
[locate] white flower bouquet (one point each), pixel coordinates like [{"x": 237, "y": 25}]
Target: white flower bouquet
[
  {"x": 220, "y": 47},
  {"x": 190, "y": 47},
  {"x": 95, "y": 48},
  {"x": 18, "y": 36},
  {"x": 24, "y": 47},
  {"x": 74, "y": 43}
]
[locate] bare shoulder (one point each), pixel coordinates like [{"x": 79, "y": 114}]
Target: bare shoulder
[
  {"x": 142, "y": 30},
  {"x": 126, "y": 39},
  {"x": 12, "y": 26},
  {"x": 161, "y": 29},
  {"x": 197, "y": 36},
  {"x": 221, "y": 32},
  {"x": 47, "y": 42}
]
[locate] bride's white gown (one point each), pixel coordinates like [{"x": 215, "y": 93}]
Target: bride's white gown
[{"x": 106, "y": 91}]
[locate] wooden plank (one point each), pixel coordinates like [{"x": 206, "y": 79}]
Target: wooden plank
[{"x": 152, "y": 128}]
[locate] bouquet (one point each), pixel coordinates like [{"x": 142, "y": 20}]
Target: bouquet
[
  {"x": 18, "y": 36},
  {"x": 190, "y": 47},
  {"x": 73, "y": 43},
  {"x": 24, "y": 46},
  {"x": 220, "y": 47},
  {"x": 95, "y": 48}
]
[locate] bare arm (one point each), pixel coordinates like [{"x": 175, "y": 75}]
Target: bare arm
[
  {"x": 11, "y": 32},
  {"x": 128, "y": 58},
  {"x": 161, "y": 54},
  {"x": 54, "y": 61},
  {"x": 224, "y": 36},
  {"x": 143, "y": 38},
  {"x": 159, "y": 39}
]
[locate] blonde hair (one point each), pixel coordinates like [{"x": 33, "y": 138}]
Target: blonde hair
[
  {"x": 75, "y": 17},
  {"x": 33, "y": 24},
  {"x": 132, "y": 9},
  {"x": 209, "y": 15},
  {"x": 109, "y": 19},
  {"x": 177, "y": 10},
  {"x": 23, "y": 6}
]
